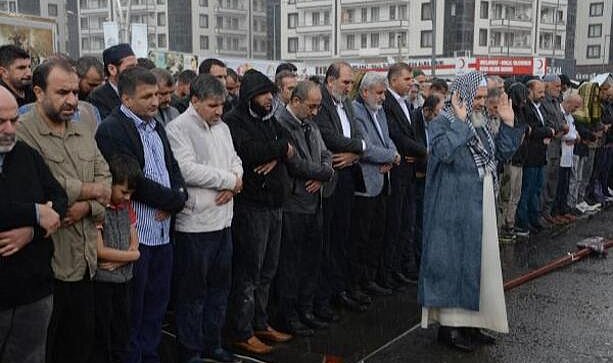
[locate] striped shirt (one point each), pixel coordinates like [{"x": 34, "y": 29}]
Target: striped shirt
[{"x": 150, "y": 231}]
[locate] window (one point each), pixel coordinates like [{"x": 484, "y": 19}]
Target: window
[
  {"x": 594, "y": 31},
  {"x": 426, "y": 11},
  {"x": 219, "y": 43},
  {"x": 218, "y": 22},
  {"x": 315, "y": 44},
  {"x": 350, "y": 41},
  {"x": 326, "y": 18},
  {"x": 593, "y": 51},
  {"x": 402, "y": 12},
  {"x": 204, "y": 21},
  {"x": 292, "y": 45},
  {"x": 374, "y": 40},
  {"x": 363, "y": 41},
  {"x": 596, "y": 9},
  {"x": 558, "y": 42},
  {"x": 315, "y": 17},
  {"x": 52, "y": 9},
  {"x": 161, "y": 19},
  {"x": 326, "y": 39},
  {"x": 426, "y": 39},
  {"x": 85, "y": 43},
  {"x": 162, "y": 41},
  {"x": 161, "y": 2},
  {"x": 483, "y": 37},
  {"x": 234, "y": 43},
  {"x": 485, "y": 7},
  {"x": 392, "y": 12},
  {"x": 374, "y": 14},
  {"x": 391, "y": 41},
  {"x": 84, "y": 23},
  {"x": 402, "y": 42},
  {"x": 204, "y": 42},
  {"x": 292, "y": 20},
  {"x": 350, "y": 16},
  {"x": 452, "y": 9},
  {"x": 204, "y": 3},
  {"x": 364, "y": 16}
]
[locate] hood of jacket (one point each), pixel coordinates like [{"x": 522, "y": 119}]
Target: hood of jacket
[{"x": 255, "y": 83}]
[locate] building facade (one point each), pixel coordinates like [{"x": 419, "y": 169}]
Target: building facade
[{"x": 593, "y": 41}]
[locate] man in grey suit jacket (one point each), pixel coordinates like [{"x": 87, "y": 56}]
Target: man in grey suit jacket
[{"x": 369, "y": 208}]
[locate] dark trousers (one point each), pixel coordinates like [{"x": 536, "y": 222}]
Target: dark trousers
[
  {"x": 257, "y": 239},
  {"x": 399, "y": 243},
  {"x": 71, "y": 330},
  {"x": 203, "y": 271},
  {"x": 560, "y": 206},
  {"x": 23, "y": 332},
  {"x": 529, "y": 207},
  {"x": 299, "y": 263},
  {"x": 420, "y": 188},
  {"x": 337, "y": 242},
  {"x": 112, "y": 321},
  {"x": 150, "y": 295},
  {"x": 551, "y": 174},
  {"x": 367, "y": 230}
]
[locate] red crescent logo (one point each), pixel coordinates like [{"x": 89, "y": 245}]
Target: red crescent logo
[
  {"x": 539, "y": 64},
  {"x": 462, "y": 62}
]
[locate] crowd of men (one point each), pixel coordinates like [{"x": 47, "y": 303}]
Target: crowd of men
[{"x": 264, "y": 208}]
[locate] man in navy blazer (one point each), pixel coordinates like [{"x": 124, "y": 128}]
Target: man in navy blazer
[{"x": 369, "y": 208}]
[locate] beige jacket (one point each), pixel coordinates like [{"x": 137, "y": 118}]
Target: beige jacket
[
  {"x": 73, "y": 159},
  {"x": 209, "y": 164}
]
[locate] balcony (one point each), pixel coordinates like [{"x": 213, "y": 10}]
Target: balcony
[
  {"x": 313, "y": 28},
  {"x": 237, "y": 52},
  {"x": 381, "y": 24},
  {"x": 516, "y": 23},
  {"x": 229, "y": 10},
  {"x": 309, "y": 53},
  {"x": 364, "y": 2},
  {"x": 515, "y": 49},
  {"x": 229, "y": 31},
  {"x": 305, "y": 4}
]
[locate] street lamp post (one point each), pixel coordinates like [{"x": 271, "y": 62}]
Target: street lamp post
[
  {"x": 604, "y": 51},
  {"x": 433, "y": 60}
]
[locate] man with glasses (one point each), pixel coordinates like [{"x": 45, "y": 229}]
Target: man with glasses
[{"x": 301, "y": 247}]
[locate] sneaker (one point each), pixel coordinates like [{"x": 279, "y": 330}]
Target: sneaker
[
  {"x": 522, "y": 232},
  {"x": 582, "y": 207},
  {"x": 595, "y": 207}
]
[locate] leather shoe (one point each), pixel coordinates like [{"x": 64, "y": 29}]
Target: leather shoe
[
  {"x": 479, "y": 336},
  {"x": 296, "y": 328},
  {"x": 346, "y": 302},
  {"x": 373, "y": 289},
  {"x": 400, "y": 277},
  {"x": 393, "y": 285},
  {"x": 272, "y": 335},
  {"x": 360, "y": 297},
  {"x": 454, "y": 338},
  {"x": 254, "y": 345},
  {"x": 326, "y": 314},
  {"x": 220, "y": 355},
  {"x": 311, "y": 321}
]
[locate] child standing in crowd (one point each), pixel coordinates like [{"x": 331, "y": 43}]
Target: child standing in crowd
[{"x": 117, "y": 248}]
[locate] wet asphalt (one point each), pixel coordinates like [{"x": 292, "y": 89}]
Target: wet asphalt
[{"x": 565, "y": 316}]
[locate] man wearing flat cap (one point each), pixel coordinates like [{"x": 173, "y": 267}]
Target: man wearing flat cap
[{"x": 116, "y": 59}]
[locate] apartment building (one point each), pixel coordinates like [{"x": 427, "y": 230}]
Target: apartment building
[
  {"x": 219, "y": 28},
  {"x": 593, "y": 38},
  {"x": 358, "y": 30}
]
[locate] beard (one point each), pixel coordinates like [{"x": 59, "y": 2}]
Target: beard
[
  {"x": 339, "y": 97},
  {"x": 58, "y": 116},
  {"x": 478, "y": 119},
  {"x": 259, "y": 110},
  {"x": 7, "y": 143}
]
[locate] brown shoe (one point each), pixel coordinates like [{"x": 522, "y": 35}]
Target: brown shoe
[
  {"x": 571, "y": 218},
  {"x": 272, "y": 335},
  {"x": 563, "y": 219},
  {"x": 254, "y": 345},
  {"x": 551, "y": 220}
]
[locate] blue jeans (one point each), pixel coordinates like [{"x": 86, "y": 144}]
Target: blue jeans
[
  {"x": 530, "y": 202},
  {"x": 203, "y": 271}
]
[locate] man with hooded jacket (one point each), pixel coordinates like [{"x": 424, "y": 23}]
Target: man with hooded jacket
[{"x": 263, "y": 146}]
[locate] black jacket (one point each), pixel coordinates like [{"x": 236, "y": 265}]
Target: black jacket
[
  {"x": 25, "y": 180},
  {"x": 105, "y": 99},
  {"x": 402, "y": 133},
  {"x": 258, "y": 141},
  {"x": 118, "y": 134},
  {"x": 535, "y": 148},
  {"x": 331, "y": 130},
  {"x": 419, "y": 124},
  {"x": 29, "y": 95}
]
